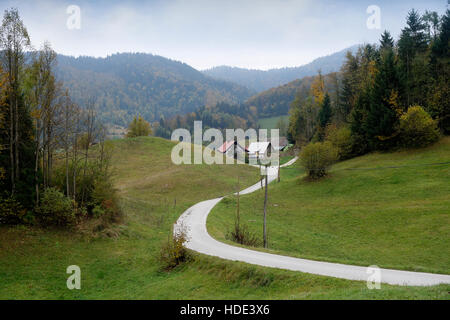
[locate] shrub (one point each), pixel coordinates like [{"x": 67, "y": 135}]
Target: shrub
[
  {"x": 104, "y": 200},
  {"x": 417, "y": 128},
  {"x": 341, "y": 138},
  {"x": 173, "y": 252},
  {"x": 98, "y": 211},
  {"x": 242, "y": 235},
  {"x": 55, "y": 209},
  {"x": 317, "y": 158},
  {"x": 11, "y": 212}
]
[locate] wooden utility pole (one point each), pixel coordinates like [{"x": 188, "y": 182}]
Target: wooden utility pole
[
  {"x": 265, "y": 211},
  {"x": 257, "y": 159},
  {"x": 238, "y": 213},
  {"x": 278, "y": 169}
]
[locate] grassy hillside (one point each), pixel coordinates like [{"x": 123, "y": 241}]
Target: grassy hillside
[
  {"x": 33, "y": 261},
  {"x": 390, "y": 217}
]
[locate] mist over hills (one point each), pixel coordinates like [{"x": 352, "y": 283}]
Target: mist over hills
[{"x": 260, "y": 80}]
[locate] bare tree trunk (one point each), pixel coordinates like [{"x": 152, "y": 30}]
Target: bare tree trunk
[
  {"x": 75, "y": 165},
  {"x": 238, "y": 212},
  {"x": 11, "y": 149},
  {"x": 36, "y": 161},
  {"x": 84, "y": 172},
  {"x": 67, "y": 174},
  {"x": 90, "y": 129},
  {"x": 11, "y": 127},
  {"x": 44, "y": 157},
  {"x": 16, "y": 144},
  {"x": 49, "y": 151}
]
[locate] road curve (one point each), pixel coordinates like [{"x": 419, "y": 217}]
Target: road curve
[{"x": 193, "y": 221}]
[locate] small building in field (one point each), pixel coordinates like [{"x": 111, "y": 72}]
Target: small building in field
[
  {"x": 232, "y": 148},
  {"x": 260, "y": 150},
  {"x": 281, "y": 144}
]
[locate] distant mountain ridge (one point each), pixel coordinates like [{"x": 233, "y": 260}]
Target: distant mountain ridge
[
  {"x": 260, "y": 80},
  {"x": 128, "y": 84}
]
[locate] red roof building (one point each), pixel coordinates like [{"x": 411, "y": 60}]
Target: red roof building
[{"x": 231, "y": 148}]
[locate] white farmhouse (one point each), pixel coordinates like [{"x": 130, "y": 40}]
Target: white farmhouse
[{"x": 260, "y": 150}]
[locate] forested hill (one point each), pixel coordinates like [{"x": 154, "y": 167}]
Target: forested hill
[
  {"x": 127, "y": 84},
  {"x": 259, "y": 80},
  {"x": 277, "y": 101}
]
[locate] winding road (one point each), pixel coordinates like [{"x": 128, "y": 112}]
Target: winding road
[{"x": 193, "y": 221}]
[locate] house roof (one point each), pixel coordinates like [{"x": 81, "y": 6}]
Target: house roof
[
  {"x": 259, "y": 147},
  {"x": 227, "y": 144}
]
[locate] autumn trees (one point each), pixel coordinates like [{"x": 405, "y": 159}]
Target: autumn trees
[
  {"x": 376, "y": 97},
  {"x": 139, "y": 127},
  {"x": 53, "y": 153},
  {"x": 14, "y": 40},
  {"x": 221, "y": 116}
]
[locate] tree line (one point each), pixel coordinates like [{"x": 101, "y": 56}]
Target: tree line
[
  {"x": 221, "y": 115},
  {"x": 54, "y": 160},
  {"x": 386, "y": 96}
]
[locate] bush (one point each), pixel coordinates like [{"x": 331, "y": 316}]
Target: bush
[
  {"x": 317, "y": 158},
  {"x": 55, "y": 209},
  {"x": 417, "y": 128},
  {"x": 98, "y": 211},
  {"x": 11, "y": 212},
  {"x": 173, "y": 252},
  {"x": 242, "y": 235},
  {"x": 341, "y": 138},
  {"x": 104, "y": 200}
]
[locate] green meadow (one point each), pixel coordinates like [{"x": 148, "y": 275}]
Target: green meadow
[
  {"x": 385, "y": 209},
  {"x": 123, "y": 262}
]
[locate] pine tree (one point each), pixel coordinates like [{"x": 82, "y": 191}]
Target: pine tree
[
  {"x": 347, "y": 96},
  {"x": 346, "y": 100},
  {"x": 386, "y": 42},
  {"x": 325, "y": 112},
  {"x": 412, "y": 45},
  {"x": 438, "y": 100},
  {"x": 358, "y": 123},
  {"x": 383, "y": 113}
]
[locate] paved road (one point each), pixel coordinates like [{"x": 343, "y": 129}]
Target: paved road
[{"x": 193, "y": 221}]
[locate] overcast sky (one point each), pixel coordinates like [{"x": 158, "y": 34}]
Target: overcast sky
[{"x": 257, "y": 34}]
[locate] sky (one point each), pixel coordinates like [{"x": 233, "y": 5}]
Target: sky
[{"x": 254, "y": 34}]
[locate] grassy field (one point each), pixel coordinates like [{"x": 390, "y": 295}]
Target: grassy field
[
  {"x": 33, "y": 261},
  {"x": 391, "y": 217},
  {"x": 271, "y": 123}
]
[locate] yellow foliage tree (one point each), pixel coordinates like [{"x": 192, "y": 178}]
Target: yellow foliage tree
[
  {"x": 318, "y": 89},
  {"x": 139, "y": 127}
]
